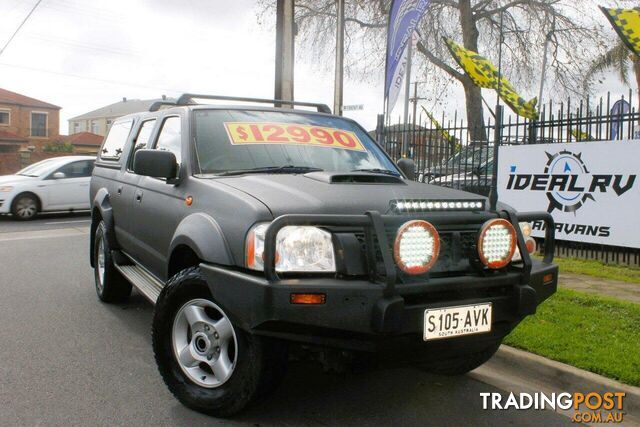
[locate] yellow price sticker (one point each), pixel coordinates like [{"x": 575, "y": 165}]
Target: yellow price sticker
[{"x": 242, "y": 133}]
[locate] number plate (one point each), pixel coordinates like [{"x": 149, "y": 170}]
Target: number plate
[{"x": 451, "y": 322}]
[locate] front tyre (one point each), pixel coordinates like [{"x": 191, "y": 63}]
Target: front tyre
[
  {"x": 208, "y": 364},
  {"x": 25, "y": 207},
  {"x": 111, "y": 287}
]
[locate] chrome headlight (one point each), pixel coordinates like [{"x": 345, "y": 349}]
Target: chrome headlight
[
  {"x": 298, "y": 249},
  {"x": 529, "y": 241},
  {"x": 6, "y": 189}
]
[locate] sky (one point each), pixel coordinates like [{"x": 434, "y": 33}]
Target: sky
[{"x": 83, "y": 55}]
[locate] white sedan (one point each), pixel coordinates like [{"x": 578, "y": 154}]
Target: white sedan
[{"x": 58, "y": 184}]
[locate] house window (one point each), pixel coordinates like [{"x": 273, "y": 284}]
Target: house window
[
  {"x": 5, "y": 117},
  {"x": 76, "y": 127},
  {"x": 109, "y": 122},
  {"x": 39, "y": 124},
  {"x": 94, "y": 126}
]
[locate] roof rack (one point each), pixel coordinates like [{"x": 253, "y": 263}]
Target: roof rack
[
  {"x": 156, "y": 105},
  {"x": 187, "y": 99}
]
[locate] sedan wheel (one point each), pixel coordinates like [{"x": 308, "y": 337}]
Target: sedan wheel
[{"x": 25, "y": 207}]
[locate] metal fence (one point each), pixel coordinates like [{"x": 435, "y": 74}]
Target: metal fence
[{"x": 446, "y": 154}]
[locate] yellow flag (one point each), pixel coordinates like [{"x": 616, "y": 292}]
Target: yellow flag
[
  {"x": 439, "y": 127},
  {"x": 626, "y": 22},
  {"x": 484, "y": 74}
]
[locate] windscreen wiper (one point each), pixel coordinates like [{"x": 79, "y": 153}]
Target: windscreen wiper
[
  {"x": 272, "y": 169},
  {"x": 377, "y": 170}
]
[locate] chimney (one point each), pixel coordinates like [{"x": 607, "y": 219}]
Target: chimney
[
  {"x": 124, "y": 99},
  {"x": 164, "y": 97}
]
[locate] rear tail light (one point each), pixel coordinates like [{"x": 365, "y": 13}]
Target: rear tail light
[
  {"x": 416, "y": 247},
  {"x": 496, "y": 243}
]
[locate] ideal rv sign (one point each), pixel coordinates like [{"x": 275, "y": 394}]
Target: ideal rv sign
[{"x": 590, "y": 188}]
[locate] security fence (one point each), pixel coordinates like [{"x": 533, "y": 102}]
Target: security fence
[{"x": 446, "y": 152}]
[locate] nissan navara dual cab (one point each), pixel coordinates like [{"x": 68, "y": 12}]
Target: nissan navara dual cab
[{"x": 260, "y": 231}]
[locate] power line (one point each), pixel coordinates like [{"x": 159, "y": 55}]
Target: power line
[
  {"x": 20, "y": 26},
  {"x": 77, "y": 76}
]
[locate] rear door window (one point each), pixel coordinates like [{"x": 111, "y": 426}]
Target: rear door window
[{"x": 113, "y": 145}]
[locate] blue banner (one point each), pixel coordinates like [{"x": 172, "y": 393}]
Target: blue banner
[{"x": 404, "y": 16}]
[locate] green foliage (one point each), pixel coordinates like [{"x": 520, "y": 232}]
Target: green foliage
[
  {"x": 598, "y": 269},
  {"x": 590, "y": 332},
  {"x": 58, "y": 147}
]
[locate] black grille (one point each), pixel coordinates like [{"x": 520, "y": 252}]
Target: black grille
[{"x": 457, "y": 247}]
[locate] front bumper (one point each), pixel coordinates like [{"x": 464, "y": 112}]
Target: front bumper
[
  {"x": 357, "y": 315},
  {"x": 378, "y": 314}
]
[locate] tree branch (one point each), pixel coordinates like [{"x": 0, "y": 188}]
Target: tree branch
[
  {"x": 346, "y": 19},
  {"x": 439, "y": 63}
]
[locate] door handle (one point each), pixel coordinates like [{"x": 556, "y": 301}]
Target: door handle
[{"x": 119, "y": 190}]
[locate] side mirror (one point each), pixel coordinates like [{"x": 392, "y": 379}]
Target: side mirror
[
  {"x": 408, "y": 167},
  {"x": 59, "y": 175},
  {"x": 155, "y": 163}
]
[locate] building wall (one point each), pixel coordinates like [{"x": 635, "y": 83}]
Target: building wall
[
  {"x": 12, "y": 162},
  {"x": 20, "y": 122},
  {"x": 98, "y": 126}
]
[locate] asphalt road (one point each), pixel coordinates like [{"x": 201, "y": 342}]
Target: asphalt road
[{"x": 67, "y": 359}]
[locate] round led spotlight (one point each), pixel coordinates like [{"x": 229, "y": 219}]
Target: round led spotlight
[
  {"x": 416, "y": 247},
  {"x": 496, "y": 243}
]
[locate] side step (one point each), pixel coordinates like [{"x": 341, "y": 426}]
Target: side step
[{"x": 144, "y": 282}]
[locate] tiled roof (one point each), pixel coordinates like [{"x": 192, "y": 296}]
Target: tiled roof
[
  {"x": 8, "y": 97},
  {"x": 120, "y": 109},
  {"x": 83, "y": 138},
  {"x": 10, "y": 136}
]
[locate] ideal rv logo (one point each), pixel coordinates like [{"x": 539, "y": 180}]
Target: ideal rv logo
[{"x": 568, "y": 183}]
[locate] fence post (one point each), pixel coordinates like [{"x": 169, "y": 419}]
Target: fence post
[
  {"x": 493, "y": 194},
  {"x": 380, "y": 129}
]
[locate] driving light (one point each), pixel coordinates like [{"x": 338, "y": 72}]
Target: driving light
[
  {"x": 416, "y": 247},
  {"x": 298, "y": 249},
  {"x": 496, "y": 243},
  {"x": 404, "y": 205},
  {"x": 6, "y": 189}
]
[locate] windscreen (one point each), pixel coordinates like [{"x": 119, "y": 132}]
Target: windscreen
[{"x": 228, "y": 140}]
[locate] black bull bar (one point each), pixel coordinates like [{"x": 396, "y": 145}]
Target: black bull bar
[{"x": 373, "y": 224}]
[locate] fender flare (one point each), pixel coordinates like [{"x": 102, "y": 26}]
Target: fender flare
[
  {"x": 102, "y": 204},
  {"x": 203, "y": 235}
]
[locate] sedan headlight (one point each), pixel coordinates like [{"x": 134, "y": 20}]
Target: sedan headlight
[
  {"x": 298, "y": 249},
  {"x": 6, "y": 189}
]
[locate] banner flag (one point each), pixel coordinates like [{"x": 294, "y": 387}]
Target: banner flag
[
  {"x": 396, "y": 81},
  {"x": 404, "y": 16},
  {"x": 484, "y": 74},
  {"x": 619, "y": 109},
  {"x": 626, "y": 22}
]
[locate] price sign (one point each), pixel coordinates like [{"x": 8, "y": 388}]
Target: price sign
[{"x": 243, "y": 133}]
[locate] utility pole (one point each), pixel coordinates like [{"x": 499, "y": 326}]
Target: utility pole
[
  {"x": 497, "y": 134},
  {"x": 415, "y": 100},
  {"x": 339, "y": 76},
  {"x": 285, "y": 45}
]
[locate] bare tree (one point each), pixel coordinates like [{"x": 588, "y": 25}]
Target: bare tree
[{"x": 577, "y": 35}]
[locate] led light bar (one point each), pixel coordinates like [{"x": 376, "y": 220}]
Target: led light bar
[{"x": 421, "y": 205}]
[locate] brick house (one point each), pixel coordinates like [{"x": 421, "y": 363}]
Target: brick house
[{"x": 26, "y": 122}]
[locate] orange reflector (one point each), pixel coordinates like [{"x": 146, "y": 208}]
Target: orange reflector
[
  {"x": 188, "y": 201},
  {"x": 308, "y": 298},
  {"x": 547, "y": 278},
  {"x": 531, "y": 245}
]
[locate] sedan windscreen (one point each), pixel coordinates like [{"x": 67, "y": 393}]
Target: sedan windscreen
[{"x": 233, "y": 140}]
